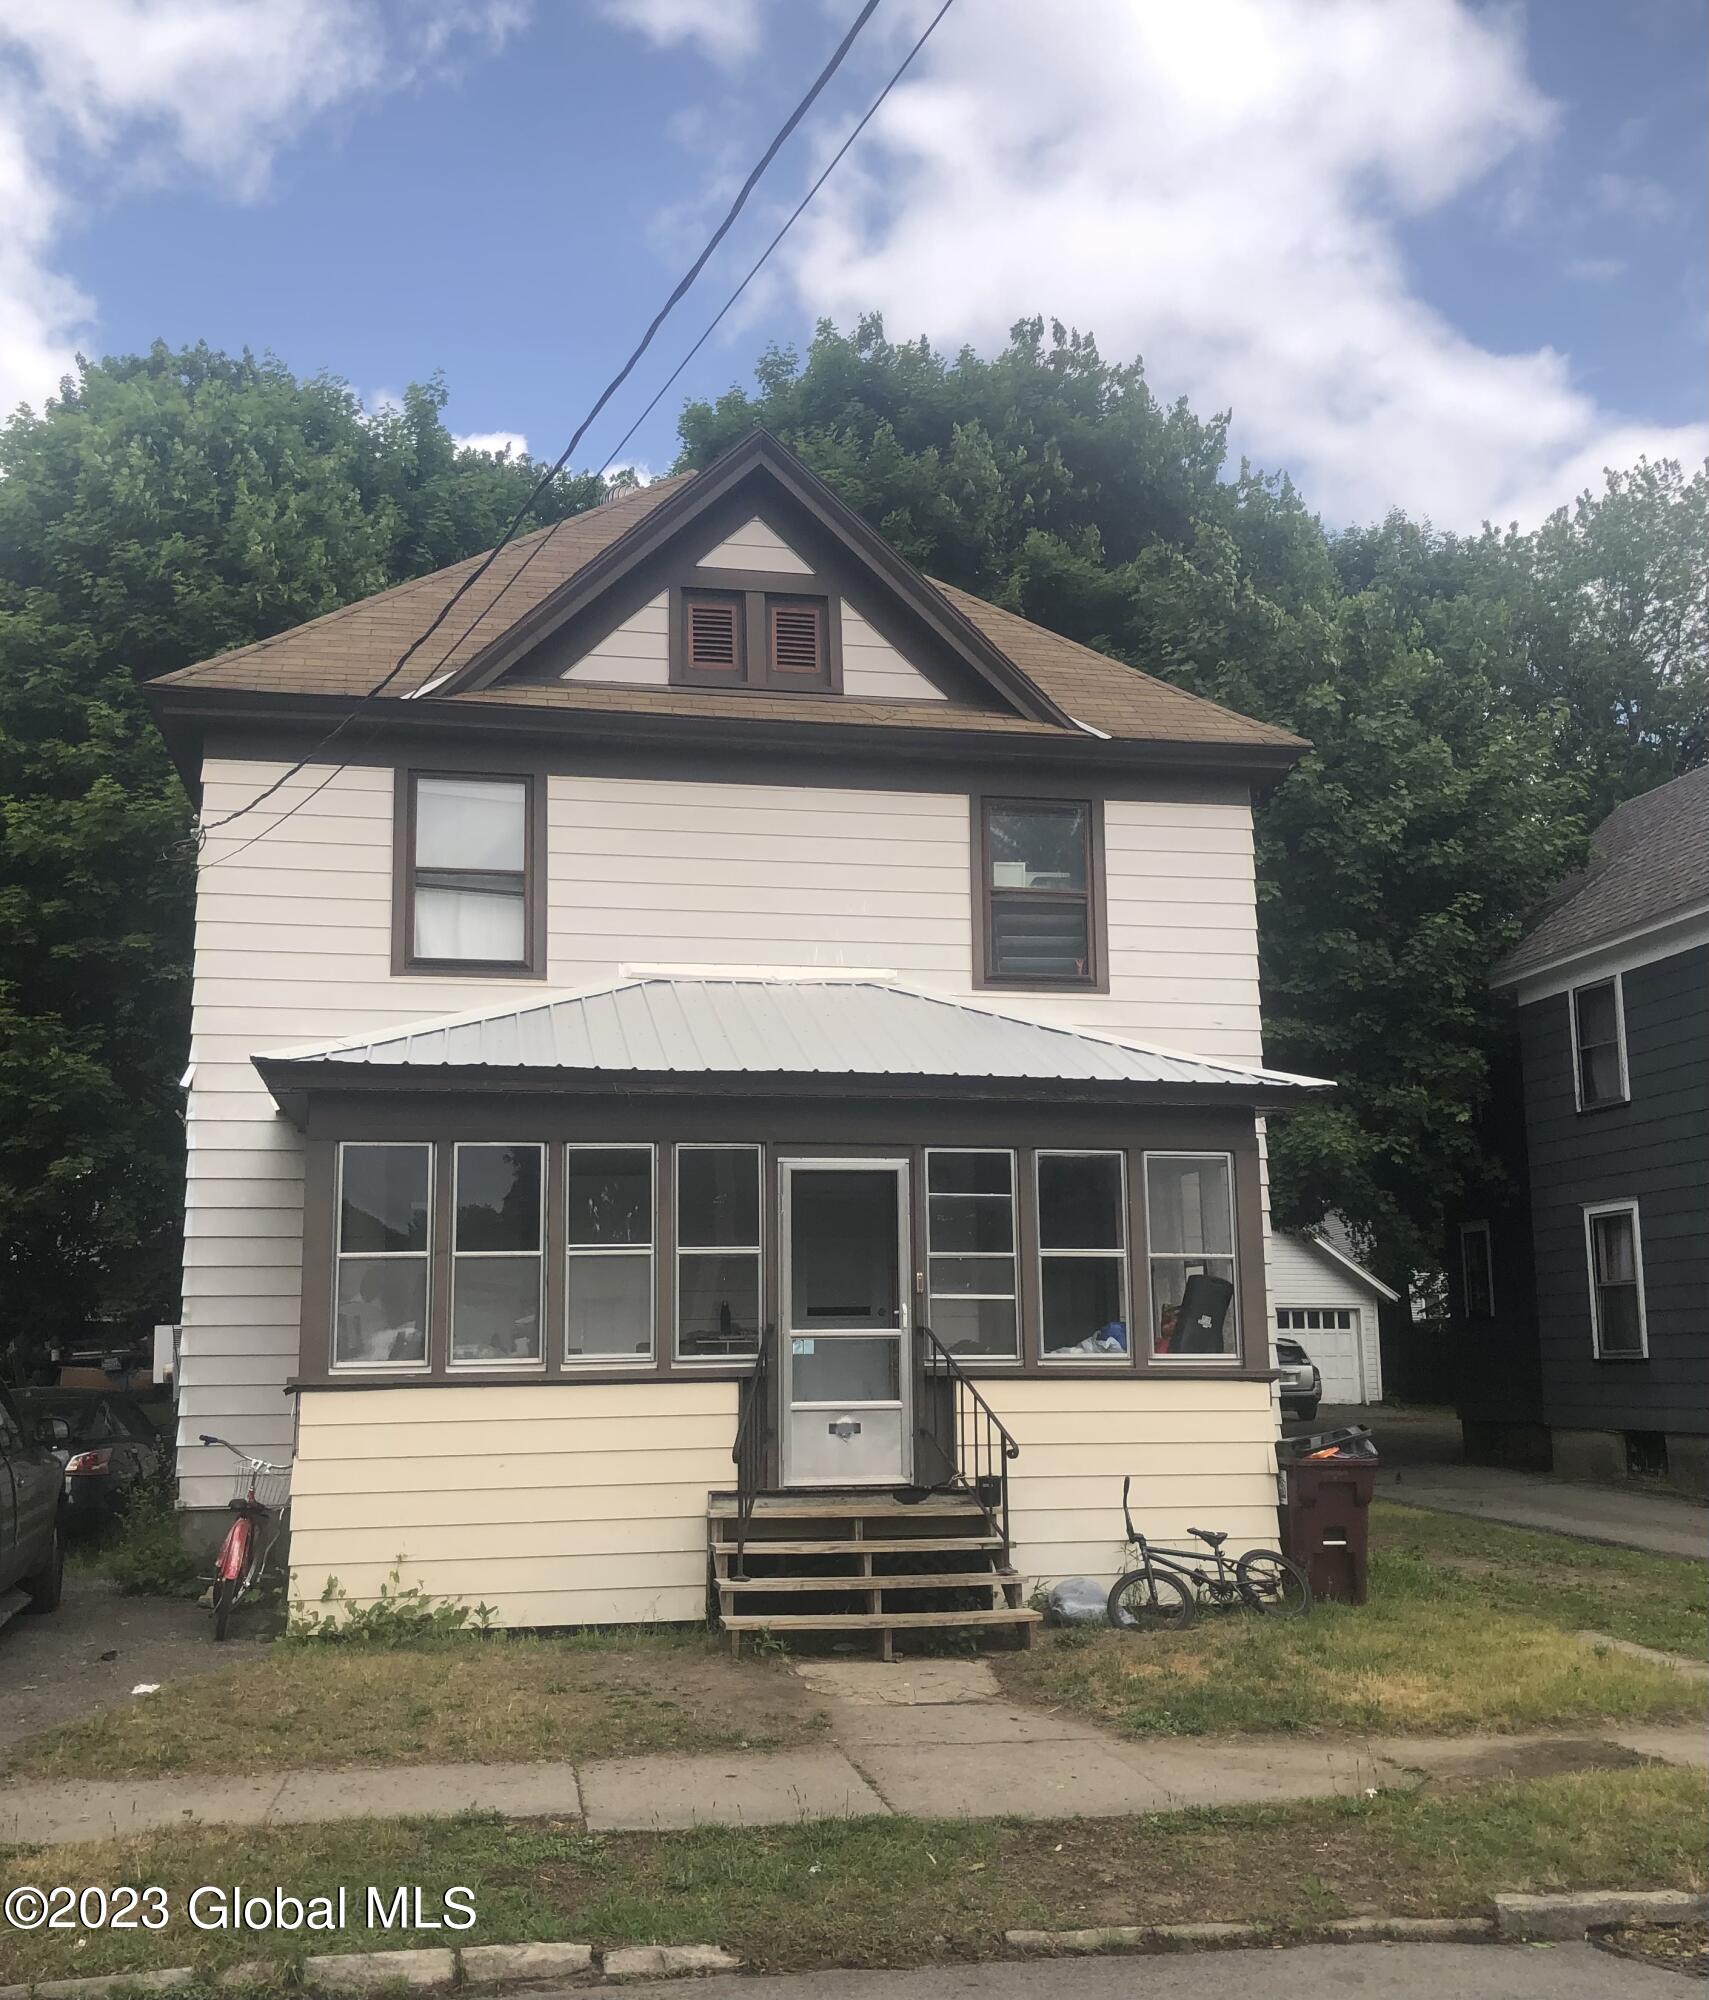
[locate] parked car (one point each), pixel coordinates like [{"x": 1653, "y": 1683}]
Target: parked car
[
  {"x": 32, "y": 1527},
  {"x": 1302, "y": 1385},
  {"x": 110, "y": 1450}
]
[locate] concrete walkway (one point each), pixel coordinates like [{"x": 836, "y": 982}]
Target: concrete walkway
[{"x": 931, "y": 1739}]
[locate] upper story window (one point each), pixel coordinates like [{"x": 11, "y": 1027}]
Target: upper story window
[
  {"x": 776, "y": 640},
  {"x": 1038, "y": 879},
  {"x": 468, "y": 876},
  {"x": 1615, "y": 1253},
  {"x": 1599, "y": 1044}
]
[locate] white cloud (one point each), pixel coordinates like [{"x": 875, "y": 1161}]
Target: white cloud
[
  {"x": 142, "y": 91},
  {"x": 494, "y": 441},
  {"x": 1220, "y": 187},
  {"x": 1595, "y": 270},
  {"x": 1634, "y": 196},
  {"x": 725, "y": 30}
]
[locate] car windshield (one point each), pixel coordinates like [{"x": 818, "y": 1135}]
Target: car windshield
[{"x": 89, "y": 1419}]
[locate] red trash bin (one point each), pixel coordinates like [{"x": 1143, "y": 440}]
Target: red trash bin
[{"x": 1326, "y": 1513}]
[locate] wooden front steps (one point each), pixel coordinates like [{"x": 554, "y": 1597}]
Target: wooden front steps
[{"x": 860, "y": 1561}]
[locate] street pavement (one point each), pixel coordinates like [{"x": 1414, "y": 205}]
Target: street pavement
[{"x": 1307, "y": 1972}]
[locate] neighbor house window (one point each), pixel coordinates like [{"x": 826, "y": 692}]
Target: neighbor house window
[
  {"x": 1189, "y": 1207},
  {"x": 1477, "y": 1269},
  {"x": 1036, "y": 866},
  {"x": 717, "y": 1251},
  {"x": 754, "y": 639},
  {"x": 970, "y": 1252},
  {"x": 608, "y": 1255},
  {"x": 1599, "y": 1044},
  {"x": 497, "y": 1209},
  {"x": 466, "y": 894},
  {"x": 381, "y": 1254},
  {"x": 1082, "y": 1253},
  {"x": 1615, "y": 1253}
]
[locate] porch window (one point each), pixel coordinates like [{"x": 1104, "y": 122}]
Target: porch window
[
  {"x": 466, "y": 897},
  {"x": 1616, "y": 1258},
  {"x": 1189, "y": 1199},
  {"x": 608, "y": 1257},
  {"x": 970, "y": 1244},
  {"x": 1036, "y": 867},
  {"x": 1477, "y": 1270},
  {"x": 496, "y": 1260},
  {"x": 381, "y": 1253},
  {"x": 1082, "y": 1251},
  {"x": 717, "y": 1252},
  {"x": 1599, "y": 1045}
]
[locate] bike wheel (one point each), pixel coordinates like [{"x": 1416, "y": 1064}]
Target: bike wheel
[
  {"x": 1154, "y": 1602},
  {"x": 225, "y": 1599},
  {"x": 1272, "y": 1584}
]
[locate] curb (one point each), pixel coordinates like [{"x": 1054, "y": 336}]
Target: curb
[
  {"x": 1555, "y": 1919},
  {"x": 388, "y": 1971},
  {"x": 1188, "y": 1937}
]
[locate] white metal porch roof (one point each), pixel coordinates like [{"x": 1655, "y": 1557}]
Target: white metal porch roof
[{"x": 756, "y": 1024}]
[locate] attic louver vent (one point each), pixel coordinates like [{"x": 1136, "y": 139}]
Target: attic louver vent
[
  {"x": 713, "y": 636},
  {"x": 795, "y": 646}
]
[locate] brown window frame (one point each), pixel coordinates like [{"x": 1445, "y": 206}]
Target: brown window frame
[
  {"x": 1096, "y": 977},
  {"x": 757, "y": 598},
  {"x": 405, "y": 962}
]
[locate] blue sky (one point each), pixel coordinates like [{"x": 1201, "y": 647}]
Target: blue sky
[{"x": 1441, "y": 256}]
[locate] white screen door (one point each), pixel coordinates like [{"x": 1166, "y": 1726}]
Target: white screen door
[{"x": 847, "y": 1362}]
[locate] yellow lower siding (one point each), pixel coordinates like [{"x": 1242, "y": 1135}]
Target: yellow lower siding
[{"x": 588, "y": 1506}]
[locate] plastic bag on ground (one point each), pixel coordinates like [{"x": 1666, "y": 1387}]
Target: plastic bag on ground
[{"x": 1076, "y": 1600}]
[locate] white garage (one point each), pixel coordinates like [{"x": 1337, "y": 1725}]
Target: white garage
[{"x": 1328, "y": 1302}]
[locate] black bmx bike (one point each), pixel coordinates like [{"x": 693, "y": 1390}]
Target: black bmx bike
[{"x": 1164, "y": 1587}]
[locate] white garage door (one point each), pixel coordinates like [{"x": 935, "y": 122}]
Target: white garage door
[{"x": 1330, "y": 1335}]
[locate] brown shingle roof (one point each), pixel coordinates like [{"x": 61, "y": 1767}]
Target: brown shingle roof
[{"x": 349, "y": 651}]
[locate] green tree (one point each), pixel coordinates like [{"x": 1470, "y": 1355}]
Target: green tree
[
  {"x": 1470, "y": 700},
  {"x": 166, "y": 506}
]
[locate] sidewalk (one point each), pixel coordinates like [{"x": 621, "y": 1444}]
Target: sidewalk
[{"x": 933, "y": 1739}]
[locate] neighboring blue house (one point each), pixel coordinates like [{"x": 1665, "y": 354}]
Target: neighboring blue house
[{"x": 1586, "y": 1319}]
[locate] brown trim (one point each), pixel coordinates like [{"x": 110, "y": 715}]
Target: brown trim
[
  {"x": 685, "y": 669},
  {"x": 1097, "y": 976},
  {"x": 783, "y": 1128},
  {"x": 534, "y": 929},
  {"x": 753, "y": 600},
  {"x": 760, "y": 455}
]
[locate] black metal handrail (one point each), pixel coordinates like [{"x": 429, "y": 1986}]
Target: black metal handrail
[
  {"x": 979, "y": 1446},
  {"x": 749, "y": 1450}
]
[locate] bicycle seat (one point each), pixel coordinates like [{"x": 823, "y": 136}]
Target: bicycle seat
[{"x": 1208, "y": 1535}]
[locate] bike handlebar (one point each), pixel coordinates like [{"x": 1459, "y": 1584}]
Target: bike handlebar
[
  {"x": 1127, "y": 1517},
  {"x": 255, "y": 1464}
]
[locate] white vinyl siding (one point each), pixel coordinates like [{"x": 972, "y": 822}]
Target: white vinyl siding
[
  {"x": 587, "y": 1505},
  {"x": 636, "y": 653},
  {"x": 873, "y": 670},
  {"x": 293, "y": 944},
  {"x": 755, "y": 546}
]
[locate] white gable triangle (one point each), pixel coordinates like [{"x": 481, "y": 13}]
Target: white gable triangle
[
  {"x": 873, "y": 670},
  {"x": 756, "y": 547},
  {"x": 636, "y": 654}
]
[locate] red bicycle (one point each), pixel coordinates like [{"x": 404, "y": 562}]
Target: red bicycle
[{"x": 258, "y": 1508}]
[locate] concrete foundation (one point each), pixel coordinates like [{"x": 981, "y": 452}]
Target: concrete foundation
[{"x": 1601, "y": 1455}]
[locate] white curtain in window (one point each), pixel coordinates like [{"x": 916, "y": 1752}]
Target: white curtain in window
[
  {"x": 470, "y": 823},
  {"x": 484, "y": 923}
]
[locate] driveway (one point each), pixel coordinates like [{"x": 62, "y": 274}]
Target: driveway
[
  {"x": 95, "y": 1648},
  {"x": 1423, "y": 1467}
]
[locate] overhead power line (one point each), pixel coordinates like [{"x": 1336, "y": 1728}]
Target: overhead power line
[{"x": 784, "y": 131}]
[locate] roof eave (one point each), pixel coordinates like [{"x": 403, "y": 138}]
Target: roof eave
[
  {"x": 184, "y": 711},
  {"x": 293, "y": 1082}
]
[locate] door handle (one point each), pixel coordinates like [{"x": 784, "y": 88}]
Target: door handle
[{"x": 844, "y": 1428}]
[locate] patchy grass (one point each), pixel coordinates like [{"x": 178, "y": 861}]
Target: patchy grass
[
  {"x": 464, "y": 1699},
  {"x": 1468, "y": 1627},
  {"x": 1655, "y": 1600},
  {"x": 898, "y": 1892}
]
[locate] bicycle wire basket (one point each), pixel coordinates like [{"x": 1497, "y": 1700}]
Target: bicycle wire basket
[{"x": 272, "y": 1487}]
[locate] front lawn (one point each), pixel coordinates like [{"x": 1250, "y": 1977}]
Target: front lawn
[
  {"x": 900, "y": 1892},
  {"x": 463, "y": 1699},
  {"x": 1469, "y": 1627}
]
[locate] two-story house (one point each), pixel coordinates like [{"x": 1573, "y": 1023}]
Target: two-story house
[
  {"x": 726, "y": 982},
  {"x": 1584, "y": 1306}
]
